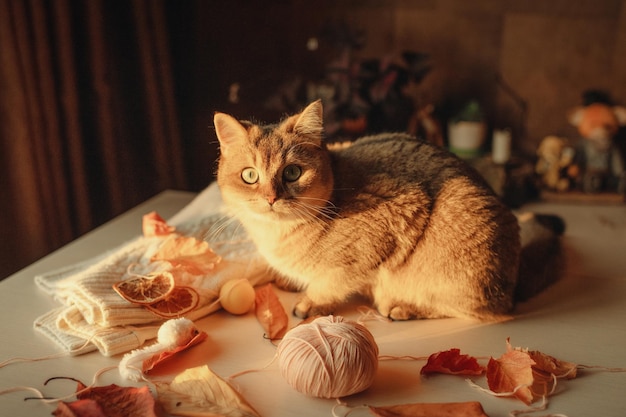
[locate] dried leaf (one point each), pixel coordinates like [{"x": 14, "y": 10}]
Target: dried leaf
[
  {"x": 200, "y": 392},
  {"x": 512, "y": 373},
  {"x": 119, "y": 401},
  {"x": 546, "y": 365},
  {"x": 546, "y": 370},
  {"x": 465, "y": 409},
  {"x": 110, "y": 401},
  {"x": 156, "y": 360},
  {"x": 79, "y": 408},
  {"x": 153, "y": 225},
  {"x": 188, "y": 253},
  {"x": 270, "y": 312},
  {"x": 453, "y": 363}
]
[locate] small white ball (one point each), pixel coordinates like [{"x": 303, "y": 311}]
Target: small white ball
[
  {"x": 176, "y": 332},
  {"x": 237, "y": 296}
]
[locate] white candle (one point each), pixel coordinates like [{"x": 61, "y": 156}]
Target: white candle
[{"x": 501, "y": 146}]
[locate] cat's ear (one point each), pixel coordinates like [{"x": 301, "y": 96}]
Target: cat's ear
[
  {"x": 310, "y": 121},
  {"x": 229, "y": 131}
]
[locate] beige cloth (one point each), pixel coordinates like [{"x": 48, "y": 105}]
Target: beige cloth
[{"x": 93, "y": 316}]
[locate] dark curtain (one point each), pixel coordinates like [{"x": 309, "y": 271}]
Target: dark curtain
[
  {"x": 88, "y": 120},
  {"x": 105, "y": 103}
]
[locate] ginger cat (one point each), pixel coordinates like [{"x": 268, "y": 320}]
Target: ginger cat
[{"x": 390, "y": 217}]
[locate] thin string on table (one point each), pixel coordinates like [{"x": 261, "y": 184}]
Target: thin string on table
[
  {"x": 249, "y": 371},
  {"x": 370, "y": 314},
  {"x": 401, "y": 358},
  {"x": 19, "y": 359},
  {"x": 349, "y": 409},
  {"x": 55, "y": 356},
  {"x": 600, "y": 368},
  {"x": 46, "y": 400},
  {"x": 544, "y": 397}
]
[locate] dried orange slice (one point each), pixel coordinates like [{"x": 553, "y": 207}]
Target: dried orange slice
[
  {"x": 180, "y": 301},
  {"x": 146, "y": 289}
]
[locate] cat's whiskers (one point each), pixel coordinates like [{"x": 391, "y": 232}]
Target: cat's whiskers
[
  {"x": 327, "y": 203},
  {"x": 329, "y": 211},
  {"x": 311, "y": 210},
  {"x": 216, "y": 228},
  {"x": 213, "y": 234}
]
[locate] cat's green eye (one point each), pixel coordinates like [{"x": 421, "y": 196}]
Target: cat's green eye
[
  {"x": 292, "y": 172},
  {"x": 249, "y": 175}
]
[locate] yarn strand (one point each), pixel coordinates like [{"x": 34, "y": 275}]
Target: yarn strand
[{"x": 348, "y": 408}]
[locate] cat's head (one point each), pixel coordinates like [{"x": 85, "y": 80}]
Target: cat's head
[{"x": 277, "y": 172}]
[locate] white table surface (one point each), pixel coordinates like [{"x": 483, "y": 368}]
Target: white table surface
[{"x": 581, "y": 319}]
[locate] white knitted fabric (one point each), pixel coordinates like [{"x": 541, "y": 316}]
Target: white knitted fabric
[{"x": 94, "y": 316}]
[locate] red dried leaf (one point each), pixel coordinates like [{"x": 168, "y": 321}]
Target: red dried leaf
[
  {"x": 466, "y": 409},
  {"x": 156, "y": 360},
  {"x": 153, "y": 225},
  {"x": 453, "y": 363},
  {"x": 79, "y": 408},
  {"x": 512, "y": 373},
  {"x": 270, "y": 312},
  {"x": 116, "y": 401}
]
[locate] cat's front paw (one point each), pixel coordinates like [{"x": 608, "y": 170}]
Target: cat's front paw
[
  {"x": 399, "y": 312},
  {"x": 301, "y": 309},
  {"x": 306, "y": 308}
]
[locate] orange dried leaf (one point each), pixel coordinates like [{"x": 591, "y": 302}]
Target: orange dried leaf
[
  {"x": 452, "y": 362},
  {"x": 156, "y": 360},
  {"x": 464, "y": 409},
  {"x": 546, "y": 370},
  {"x": 512, "y": 373},
  {"x": 153, "y": 225},
  {"x": 192, "y": 255},
  {"x": 548, "y": 365},
  {"x": 270, "y": 312}
]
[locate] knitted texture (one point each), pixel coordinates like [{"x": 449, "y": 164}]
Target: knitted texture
[{"x": 95, "y": 316}]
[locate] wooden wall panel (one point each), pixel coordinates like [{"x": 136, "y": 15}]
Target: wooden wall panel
[
  {"x": 548, "y": 52},
  {"x": 550, "y": 60}
]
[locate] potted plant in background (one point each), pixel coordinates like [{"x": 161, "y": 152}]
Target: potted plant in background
[{"x": 466, "y": 131}]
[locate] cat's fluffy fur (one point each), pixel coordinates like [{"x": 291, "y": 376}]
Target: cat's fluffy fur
[{"x": 391, "y": 217}]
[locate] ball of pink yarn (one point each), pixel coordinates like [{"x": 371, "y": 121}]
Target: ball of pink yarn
[{"x": 329, "y": 357}]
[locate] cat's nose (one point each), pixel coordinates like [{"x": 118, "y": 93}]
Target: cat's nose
[
  {"x": 270, "y": 194},
  {"x": 271, "y": 199}
]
